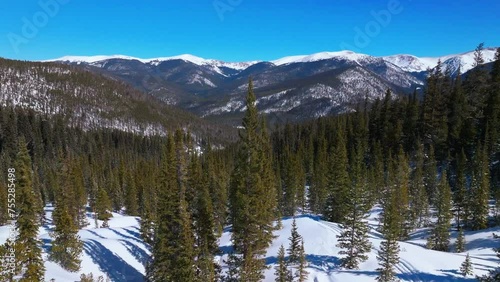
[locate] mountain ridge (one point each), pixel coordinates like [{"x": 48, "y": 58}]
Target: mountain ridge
[
  {"x": 316, "y": 85},
  {"x": 421, "y": 65}
]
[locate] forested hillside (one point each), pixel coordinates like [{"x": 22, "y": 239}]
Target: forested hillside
[{"x": 92, "y": 101}]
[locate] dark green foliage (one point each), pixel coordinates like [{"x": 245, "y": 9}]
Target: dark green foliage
[
  {"x": 27, "y": 245},
  {"x": 439, "y": 239},
  {"x": 252, "y": 202},
  {"x": 103, "y": 207},
  {"x": 131, "y": 199},
  {"x": 388, "y": 255},
  {"x": 338, "y": 181},
  {"x": 173, "y": 255},
  {"x": 460, "y": 244},
  {"x": 461, "y": 197},
  {"x": 354, "y": 237},
  {"x": 301, "y": 274},
  {"x": 480, "y": 190},
  {"x": 466, "y": 266},
  {"x": 66, "y": 246},
  {"x": 318, "y": 188},
  {"x": 419, "y": 201},
  {"x": 204, "y": 222},
  {"x": 293, "y": 249},
  {"x": 282, "y": 273}
]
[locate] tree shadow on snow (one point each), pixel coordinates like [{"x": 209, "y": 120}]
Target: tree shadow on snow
[
  {"x": 420, "y": 276},
  {"x": 46, "y": 245},
  {"x": 482, "y": 243},
  {"x": 115, "y": 267},
  {"x": 226, "y": 250},
  {"x": 95, "y": 234},
  {"x": 139, "y": 254},
  {"x": 123, "y": 235},
  {"x": 321, "y": 263}
]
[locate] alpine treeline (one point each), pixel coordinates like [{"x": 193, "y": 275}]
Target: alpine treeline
[{"x": 437, "y": 150}]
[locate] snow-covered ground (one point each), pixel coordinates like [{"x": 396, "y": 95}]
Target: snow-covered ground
[{"x": 119, "y": 253}]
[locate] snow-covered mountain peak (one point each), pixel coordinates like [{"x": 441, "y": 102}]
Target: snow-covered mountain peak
[
  {"x": 156, "y": 61},
  {"x": 91, "y": 59},
  {"x": 346, "y": 54},
  {"x": 465, "y": 61}
]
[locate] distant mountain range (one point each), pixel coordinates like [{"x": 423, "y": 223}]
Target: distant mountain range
[{"x": 290, "y": 88}]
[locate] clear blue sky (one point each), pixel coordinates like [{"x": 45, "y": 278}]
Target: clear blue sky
[{"x": 244, "y": 29}]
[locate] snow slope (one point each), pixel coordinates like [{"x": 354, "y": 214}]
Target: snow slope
[{"x": 118, "y": 252}]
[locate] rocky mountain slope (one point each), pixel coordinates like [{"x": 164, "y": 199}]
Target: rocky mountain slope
[{"x": 290, "y": 88}]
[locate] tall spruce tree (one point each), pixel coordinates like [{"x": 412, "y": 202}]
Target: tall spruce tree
[
  {"x": 204, "y": 223},
  {"x": 27, "y": 245},
  {"x": 388, "y": 255},
  {"x": 66, "y": 245},
  {"x": 461, "y": 195},
  {"x": 354, "y": 237},
  {"x": 131, "y": 199},
  {"x": 419, "y": 202},
  {"x": 173, "y": 256},
  {"x": 318, "y": 188},
  {"x": 480, "y": 189},
  {"x": 439, "y": 239},
  {"x": 103, "y": 207},
  {"x": 252, "y": 197},
  {"x": 338, "y": 181},
  {"x": 293, "y": 249},
  {"x": 401, "y": 182}
]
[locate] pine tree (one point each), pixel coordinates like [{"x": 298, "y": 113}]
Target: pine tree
[
  {"x": 480, "y": 183},
  {"x": 318, "y": 188},
  {"x": 173, "y": 256},
  {"x": 80, "y": 195},
  {"x": 461, "y": 198},
  {"x": 302, "y": 273},
  {"x": 430, "y": 172},
  {"x": 460, "y": 244},
  {"x": 338, "y": 181},
  {"x": 252, "y": 198},
  {"x": 204, "y": 226},
  {"x": 419, "y": 201},
  {"x": 103, "y": 207},
  {"x": 293, "y": 249},
  {"x": 131, "y": 201},
  {"x": 282, "y": 272},
  {"x": 440, "y": 234},
  {"x": 27, "y": 245},
  {"x": 388, "y": 255},
  {"x": 354, "y": 238},
  {"x": 66, "y": 246},
  {"x": 466, "y": 266},
  {"x": 401, "y": 181}
]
